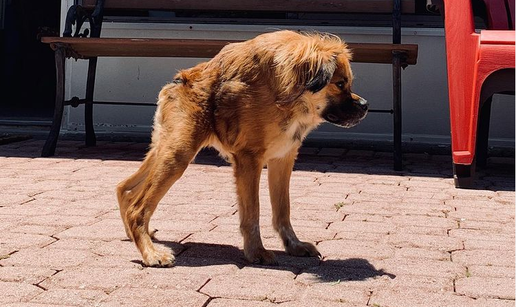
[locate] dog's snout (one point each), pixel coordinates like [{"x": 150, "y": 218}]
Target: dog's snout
[{"x": 363, "y": 103}]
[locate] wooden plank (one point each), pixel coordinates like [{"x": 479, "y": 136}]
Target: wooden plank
[
  {"x": 314, "y": 6},
  {"x": 128, "y": 47}
]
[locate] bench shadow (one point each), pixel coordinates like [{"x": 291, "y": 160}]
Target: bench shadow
[{"x": 194, "y": 254}]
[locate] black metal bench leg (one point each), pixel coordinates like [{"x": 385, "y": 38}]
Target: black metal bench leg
[
  {"x": 50, "y": 145},
  {"x": 396, "y": 106},
  {"x": 483, "y": 133},
  {"x": 396, "y": 84},
  {"x": 91, "y": 140}
]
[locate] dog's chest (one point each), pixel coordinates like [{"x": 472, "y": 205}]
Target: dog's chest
[{"x": 290, "y": 137}]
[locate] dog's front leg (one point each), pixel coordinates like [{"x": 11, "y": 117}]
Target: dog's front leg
[
  {"x": 247, "y": 170},
  {"x": 279, "y": 171}
]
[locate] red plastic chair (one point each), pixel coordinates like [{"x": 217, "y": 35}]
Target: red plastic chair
[
  {"x": 500, "y": 14},
  {"x": 479, "y": 65}
]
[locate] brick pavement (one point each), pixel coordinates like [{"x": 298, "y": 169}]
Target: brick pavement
[{"x": 388, "y": 238}]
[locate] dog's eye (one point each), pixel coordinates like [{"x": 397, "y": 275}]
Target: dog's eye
[{"x": 340, "y": 84}]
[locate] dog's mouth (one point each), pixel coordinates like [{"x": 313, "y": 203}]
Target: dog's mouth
[{"x": 347, "y": 114}]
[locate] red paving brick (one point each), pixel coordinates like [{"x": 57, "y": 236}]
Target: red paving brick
[
  {"x": 491, "y": 287},
  {"x": 387, "y": 238},
  {"x": 71, "y": 297}
]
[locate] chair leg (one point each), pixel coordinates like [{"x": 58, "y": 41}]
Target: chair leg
[
  {"x": 463, "y": 175},
  {"x": 51, "y": 142},
  {"x": 483, "y": 132},
  {"x": 91, "y": 140}
]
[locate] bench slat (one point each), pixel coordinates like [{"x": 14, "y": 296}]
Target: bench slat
[
  {"x": 155, "y": 47},
  {"x": 322, "y": 6}
]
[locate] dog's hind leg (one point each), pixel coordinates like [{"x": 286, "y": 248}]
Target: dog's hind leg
[
  {"x": 247, "y": 171},
  {"x": 127, "y": 189},
  {"x": 170, "y": 161},
  {"x": 279, "y": 171}
]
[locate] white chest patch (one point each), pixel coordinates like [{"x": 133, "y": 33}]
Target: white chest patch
[{"x": 287, "y": 140}]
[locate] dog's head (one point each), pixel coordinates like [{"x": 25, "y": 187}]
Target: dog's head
[
  {"x": 340, "y": 106},
  {"x": 317, "y": 67}
]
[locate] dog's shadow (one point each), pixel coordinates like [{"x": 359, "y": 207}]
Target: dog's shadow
[{"x": 193, "y": 254}]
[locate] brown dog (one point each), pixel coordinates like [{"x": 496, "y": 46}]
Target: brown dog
[{"x": 254, "y": 102}]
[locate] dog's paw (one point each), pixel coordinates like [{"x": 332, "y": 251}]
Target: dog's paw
[
  {"x": 160, "y": 259},
  {"x": 262, "y": 256},
  {"x": 302, "y": 249}
]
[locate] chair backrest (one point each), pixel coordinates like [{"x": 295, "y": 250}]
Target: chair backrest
[
  {"x": 499, "y": 15},
  {"x": 511, "y": 4}
]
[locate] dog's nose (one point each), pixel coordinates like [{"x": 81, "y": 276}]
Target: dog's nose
[{"x": 363, "y": 103}]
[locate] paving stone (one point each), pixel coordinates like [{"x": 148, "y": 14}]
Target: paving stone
[
  {"x": 14, "y": 199},
  {"x": 55, "y": 259},
  {"x": 24, "y": 274},
  {"x": 487, "y": 225},
  {"x": 491, "y": 271},
  {"x": 31, "y": 305},
  {"x": 37, "y": 229},
  {"x": 428, "y": 283},
  {"x": 484, "y": 257},
  {"x": 17, "y": 292},
  {"x": 33, "y": 208},
  {"x": 422, "y": 267},
  {"x": 421, "y": 253},
  {"x": 357, "y": 273},
  {"x": 359, "y": 226},
  {"x": 481, "y": 234},
  {"x": 70, "y": 297},
  {"x": 60, "y": 220},
  {"x": 11, "y": 242},
  {"x": 386, "y": 243},
  {"x": 88, "y": 278},
  {"x": 418, "y": 298},
  {"x": 158, "y": 278},
  {"x": 260, "y": 288},
  {"x": 104, "y": 230},
  {"x": 313, "y": 302},
  {"x": 360, "y": 236},
  {"x": 412, "y": 231},
  {"x": 488, "y": 287},
  {"x": 485, "y": 302},
  {"x": 507, "y": 245},
  {"x": 203, "y": 266},
  {"x": 342, "y": 249},
  {"x": 154, "y": 298},
  {"x": 335, "y": 292},
  {"x": 441, "y": 243},
  {"x": 427, "y": 221},
  {"x": 222, "y": 302}
]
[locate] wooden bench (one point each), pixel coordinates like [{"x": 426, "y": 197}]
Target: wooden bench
[{"x": 79, "y": 46}]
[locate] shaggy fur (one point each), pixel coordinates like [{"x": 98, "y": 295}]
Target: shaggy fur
[{"x": 254, "y": 102}]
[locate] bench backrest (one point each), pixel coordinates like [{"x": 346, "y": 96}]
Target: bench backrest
[{"x": 315, "y": 6}]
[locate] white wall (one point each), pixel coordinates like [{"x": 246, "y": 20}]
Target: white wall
[{"x": 425, "y": 100}]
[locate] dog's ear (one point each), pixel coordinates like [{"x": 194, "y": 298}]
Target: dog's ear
[
  {"x": 322, "y": 77},
  {"x": 306, "y": 62}
]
